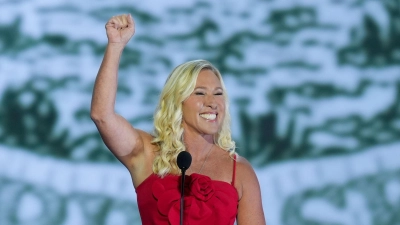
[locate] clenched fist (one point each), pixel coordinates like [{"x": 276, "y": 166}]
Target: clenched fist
[{"x": 120, "y": 29}]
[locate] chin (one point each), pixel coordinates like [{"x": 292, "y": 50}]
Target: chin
[{"x": 211, "y": 131}]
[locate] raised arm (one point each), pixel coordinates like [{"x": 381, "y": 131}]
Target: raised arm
[
  {"x": 124, "y": 141},
  {"x": 250, "y": 210}
]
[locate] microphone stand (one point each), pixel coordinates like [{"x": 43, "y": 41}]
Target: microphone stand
[
  {"x": 184, "y": 160},
  {"x": 182, "y": 195}
]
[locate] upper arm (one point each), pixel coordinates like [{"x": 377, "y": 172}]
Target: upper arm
[
  {"x": 120, "y": 137},
  {"x": 250, "y": 210}
]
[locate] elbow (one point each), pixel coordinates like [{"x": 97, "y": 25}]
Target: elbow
[
  {"x": 100, "y": 115},
  {"x": 97, "y": 117},
  {"x": 94, "y": 114},
  {"x": 94, "y": 117}
]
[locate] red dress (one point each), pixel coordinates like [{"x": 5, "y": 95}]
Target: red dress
[{"x": 206, "y": 201}]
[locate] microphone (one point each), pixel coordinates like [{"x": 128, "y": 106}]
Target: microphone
[{"x": 184, "y": 160}]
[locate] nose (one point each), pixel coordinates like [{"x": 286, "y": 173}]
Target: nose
[{"x": 211, "y": 102}]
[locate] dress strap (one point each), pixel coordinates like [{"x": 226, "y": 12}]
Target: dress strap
[{"x": 234, "y": 170}]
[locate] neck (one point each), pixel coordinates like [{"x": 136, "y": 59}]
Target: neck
[{"x": 198, "y": 146}]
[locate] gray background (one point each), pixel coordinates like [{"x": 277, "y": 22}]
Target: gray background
[{"x": 314, "y": 91}]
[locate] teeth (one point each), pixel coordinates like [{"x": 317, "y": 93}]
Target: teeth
[{"x": 209, "y": 116}]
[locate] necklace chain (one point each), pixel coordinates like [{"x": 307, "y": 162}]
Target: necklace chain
[{"x": 208, "y": 154}]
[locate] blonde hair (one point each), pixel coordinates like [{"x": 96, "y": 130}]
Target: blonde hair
[{"x": 168, "y": 130}]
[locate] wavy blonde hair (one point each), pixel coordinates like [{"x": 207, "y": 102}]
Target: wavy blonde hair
[{"x": 168, "y": 130}]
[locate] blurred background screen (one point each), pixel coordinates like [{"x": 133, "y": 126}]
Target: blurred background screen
[{"x": 313, "y": 89}]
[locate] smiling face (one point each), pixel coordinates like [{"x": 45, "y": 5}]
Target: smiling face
[{"x": 204, "y": 110}]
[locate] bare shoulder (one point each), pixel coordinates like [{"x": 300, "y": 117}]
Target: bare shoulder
[
  {"x": 245, "y": 175},
  {"x": 244, "y": 167},
  {"x": 250, "y": 210},
  {"x": 242, "y": 161}
]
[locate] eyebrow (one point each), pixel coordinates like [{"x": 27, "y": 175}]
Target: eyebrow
[{"x": 201, "y": 87}]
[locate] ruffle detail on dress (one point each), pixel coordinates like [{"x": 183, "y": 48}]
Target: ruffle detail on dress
[{"x": 206, "y": 201}]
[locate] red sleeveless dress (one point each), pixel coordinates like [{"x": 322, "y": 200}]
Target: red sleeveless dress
[{"x": 206, "y": 201}]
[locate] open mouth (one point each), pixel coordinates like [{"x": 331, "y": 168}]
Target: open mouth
[{"x": 209, "y": 116}]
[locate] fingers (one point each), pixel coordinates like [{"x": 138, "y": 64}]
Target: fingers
[
  {"x": 120, "y": 21},
  {"x": 130, "y": 20}
]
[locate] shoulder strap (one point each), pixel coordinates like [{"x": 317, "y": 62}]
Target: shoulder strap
[{"x": 234, "y": 170}]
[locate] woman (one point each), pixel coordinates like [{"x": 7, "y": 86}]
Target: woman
[{"x": 192, "y": 116}]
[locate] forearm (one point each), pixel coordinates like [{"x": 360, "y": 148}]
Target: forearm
[{"x": 106, "y": 84}]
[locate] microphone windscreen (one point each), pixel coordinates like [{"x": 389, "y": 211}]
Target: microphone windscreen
[{"x": 184, "y": 160}]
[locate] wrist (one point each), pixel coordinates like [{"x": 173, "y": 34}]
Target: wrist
[{"x": 113, "y": 46}]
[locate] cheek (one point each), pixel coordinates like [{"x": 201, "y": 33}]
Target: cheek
[
  {"x": 221, "y": 108},
  {"x": 198, "y": 105},
  {"x": 190, "y": 109},
  {"x": 221, "y": 104}
]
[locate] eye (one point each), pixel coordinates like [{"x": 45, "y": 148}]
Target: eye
[
  {"x": 219, "y": 93},
  {"x": 199, "y": 93}
]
